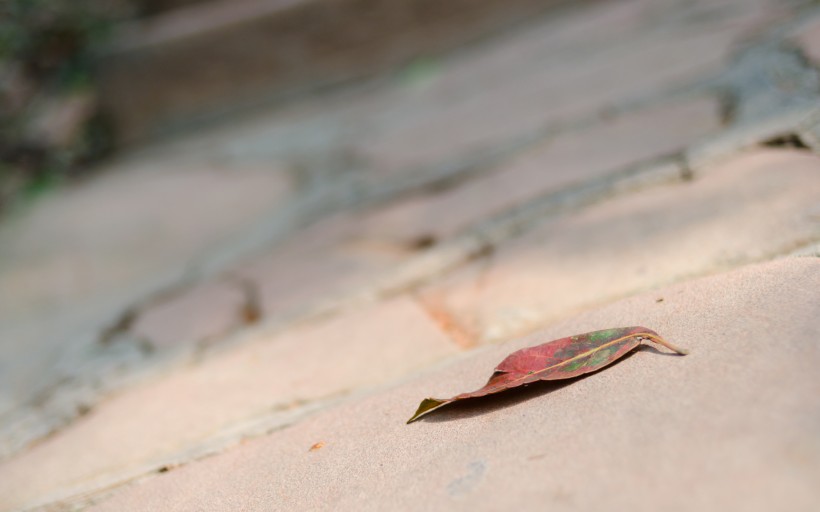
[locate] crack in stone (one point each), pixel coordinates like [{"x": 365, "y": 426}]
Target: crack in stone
[{"x": 789, "y": 140}]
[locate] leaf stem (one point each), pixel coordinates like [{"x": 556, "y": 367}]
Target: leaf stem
[{"x": 661, "y": 341}]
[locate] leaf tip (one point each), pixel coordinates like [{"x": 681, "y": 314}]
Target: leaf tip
[{"x": 426, "y": 405}]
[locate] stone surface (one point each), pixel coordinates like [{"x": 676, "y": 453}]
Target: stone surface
[
  {"x": 577, "y": 156},
  {"x": 81, "y": 257},
  {"x": 809, "y": 39},
  {"x": 302, "y": 44},
  {"x": 205, "y": 312},
  {"x": 509, "y": 107},
  {"x": 319, "y": 264},
  {"x": 767, "y": 79},
  {"x": 712, "y": 151},
  {"x": 377, "y": 231},
  {"x": 71, "y": 259},
  {"x": 756, "y": 206},
  {"x": 142, "y": 429},
  {"x": 733, "y": 425},
  {"x": 479, "y": 102}
]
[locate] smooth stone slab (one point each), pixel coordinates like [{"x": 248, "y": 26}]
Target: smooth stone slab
[{"x": 735, "y": 425}]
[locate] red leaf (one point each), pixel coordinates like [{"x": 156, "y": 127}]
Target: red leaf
[{"x": 558, "y": 359}]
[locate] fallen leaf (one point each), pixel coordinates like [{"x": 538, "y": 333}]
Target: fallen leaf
[
  {"x": 558, "y": 359},
  {"x": 317, "y": 446}
]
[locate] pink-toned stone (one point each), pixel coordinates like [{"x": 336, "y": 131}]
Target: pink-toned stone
[
  {"x": 809, "y": 39},
  {"x": 141, "y": 429},
  {"x": 558, "y": 69},
  {"x": 131, "y": 221},
  {"x": 732, "y": 426},
  {"x": 319, "y": 264},
  {"x": 757, "y": 205},
  {"x": 575, "y": 75},
  {"x": 79, "y": 257},
  {"x": 154, "y": 72},
  {"x": 574, "y": 157},
  {"x": 202, "y": 313}
]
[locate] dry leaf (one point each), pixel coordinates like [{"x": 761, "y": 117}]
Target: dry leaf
[{"x": 559, "y": 359}]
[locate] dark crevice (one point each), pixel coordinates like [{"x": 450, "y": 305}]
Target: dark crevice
[
  {"x": 422, "y": 242},
  {"x": 727, "y": 106},
  {"x": 250, "y": 312},
  {"x": 790, "y": 140},
  {"x": 686, "y": 173},
  {"x": 145, "y": 346},
  {"x": 119, "y": 327},
  {"x": 82, "y": 409}
]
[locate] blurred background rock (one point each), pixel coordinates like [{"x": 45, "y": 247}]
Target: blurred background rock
[
  {"x": 49, "y": 116},
  {"x": 80, "y": 78}
]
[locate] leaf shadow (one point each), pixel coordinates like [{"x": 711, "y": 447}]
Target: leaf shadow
[{"x": 472, "y": 407}]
